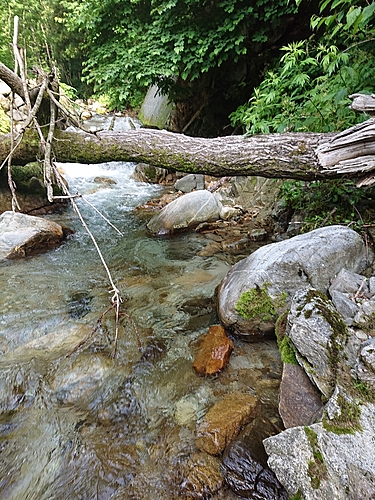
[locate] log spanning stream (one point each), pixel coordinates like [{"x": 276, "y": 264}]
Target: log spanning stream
[{"x": 85, "y": 426}]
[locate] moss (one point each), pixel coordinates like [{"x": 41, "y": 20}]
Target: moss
[
  {"x": 340, "y": 334},
  {"x": 297, "y": 496},
  {"x": 257, "y": 303},
  {"x": 285, "y": 345},
  {"x": 4, "y": 122},
  {"x": 346, "y": 421},
  {"x": 363, "y": 392},
  {"x": 317, "y": 469}
]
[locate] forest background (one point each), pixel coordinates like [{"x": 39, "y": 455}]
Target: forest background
[{"x": 228, "y": 66}]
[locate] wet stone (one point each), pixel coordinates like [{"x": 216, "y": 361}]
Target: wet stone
[
  {"x": 214, "y": 352},
  {"x": 79, "y": 305},
  {"x": 224, "y": 420},
  {"x": 203, "y": 476},
  {"x": 248, "y": 478},
  {"x": 300, "y": 402}
]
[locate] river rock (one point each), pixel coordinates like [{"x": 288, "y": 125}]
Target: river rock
[
  {"x": 323, "y": 465},
  {"x": 310, "y": 259},
  {"x": 300, "y": 401},
  {"x": 22, "y": 235},
  {"x": 81, "y": 381},
  {"x": 190, "y": 182},
  {"x": 185, "y": 212},
  {"x": 214, "y": 352},
  {"x": 223, "y": 422},
  {"x": 247, "y": 477},
  {"x": 202, "y": 476}
]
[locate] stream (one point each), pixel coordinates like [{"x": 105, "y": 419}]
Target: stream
[{"x": 77, "y": 424}]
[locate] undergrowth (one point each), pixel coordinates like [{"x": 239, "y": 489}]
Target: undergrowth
[{"x": 327, "y": 202}]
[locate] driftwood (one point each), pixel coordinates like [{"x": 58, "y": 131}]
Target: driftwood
[{"x": 363, "y": 102}]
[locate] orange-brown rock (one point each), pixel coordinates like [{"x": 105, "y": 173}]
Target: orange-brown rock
[
  {"x": 224, "y": 420},
  {"x": 214, "y": 352},
  {"x": 202, "y": 476}
]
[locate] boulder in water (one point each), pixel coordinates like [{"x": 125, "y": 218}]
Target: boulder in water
[
  {"x": 224, "y": 420},
  {"x": 214, "y": 352},
  {"x": 185, "y": 212},
  {"x": 22, "y": 235}
]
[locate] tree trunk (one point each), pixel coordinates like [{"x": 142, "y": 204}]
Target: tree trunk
[{"x": 274, "y": 155}]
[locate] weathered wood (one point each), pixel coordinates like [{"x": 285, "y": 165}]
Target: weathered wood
[
  {"x": 274, "y": 155},
  {"x": 363, "y": 102},
  {"x": 352, "y": 153},
  {"x": 11, "y": 79}
]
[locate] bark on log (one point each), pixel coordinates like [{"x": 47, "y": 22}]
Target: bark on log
[
  {"x": 275, "y": 156},
  {"x": 12, "y": 79}
]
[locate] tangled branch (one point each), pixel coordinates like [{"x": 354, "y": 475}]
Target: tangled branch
[{"x": 52, "y": 175}]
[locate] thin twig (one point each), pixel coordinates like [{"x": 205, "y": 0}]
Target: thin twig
[{"x": 101, "y": 215}]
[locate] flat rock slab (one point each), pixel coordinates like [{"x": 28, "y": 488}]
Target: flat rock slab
[
  {"x": 223, "y": 422},
  {"x": 22, "y": 235},
  {"x": 300, "y": 402}
]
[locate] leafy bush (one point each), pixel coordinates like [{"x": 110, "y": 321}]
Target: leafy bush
[
  {"x": 308, "y": 91},
  {"x": 131, "y": 45},
  {"x": 329, "y": 202}
]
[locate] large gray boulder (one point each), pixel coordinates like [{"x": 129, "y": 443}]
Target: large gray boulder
[
  {"x": 185, "y": 212},
  {"x": 310, "y": 259},
  {"x": 324, "y": 465},
  {"x": 190, "y": 182},
  {"x": 22, "y": 235}
]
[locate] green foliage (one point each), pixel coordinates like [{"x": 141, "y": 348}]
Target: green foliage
[
  {"x": 131, "y": 44},
  {"x": 4, "y": 122},
  {"x": 330, "y": 201},
  {"x": 308, "y": 90},
  {"x": 45, "y": 39},
  {"x": 346, "y": 20}
]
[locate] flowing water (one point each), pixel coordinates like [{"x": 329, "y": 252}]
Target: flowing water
[{"x": 76, "y": 424}]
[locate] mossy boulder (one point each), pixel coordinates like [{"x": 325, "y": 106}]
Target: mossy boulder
[{"x": 307, "y": 260}]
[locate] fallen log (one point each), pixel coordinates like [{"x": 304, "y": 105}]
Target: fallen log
[
  {"x": 304, "y": 156},
  {"x": 275, "y": 155}
]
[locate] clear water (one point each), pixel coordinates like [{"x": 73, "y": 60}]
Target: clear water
[{"x": 76, "y": 424}]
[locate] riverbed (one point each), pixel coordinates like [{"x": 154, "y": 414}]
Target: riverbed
[{"x": 77, "y": 424}]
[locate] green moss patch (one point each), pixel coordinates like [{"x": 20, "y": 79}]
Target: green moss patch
[
  {"x": 346, "y": 421},
  {"x": 285, "y": 344},
  {"x": 256, "y": 303},
  {"x": 317, "y": 469}
]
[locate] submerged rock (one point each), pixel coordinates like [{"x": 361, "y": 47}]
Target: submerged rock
[
  {"x": 247, "y": 477},
  {"x": 186, "y": 212},
  {"x": 223, "y": 421},
  {"x": 22, "y": 235},
  {"x": 214, "y": 352},
  {"x": 310, "y": 259},
  {"x": 203, "y": 476}
]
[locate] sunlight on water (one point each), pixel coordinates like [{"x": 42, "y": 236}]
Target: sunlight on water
[{"x": 75, "y": 424}]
